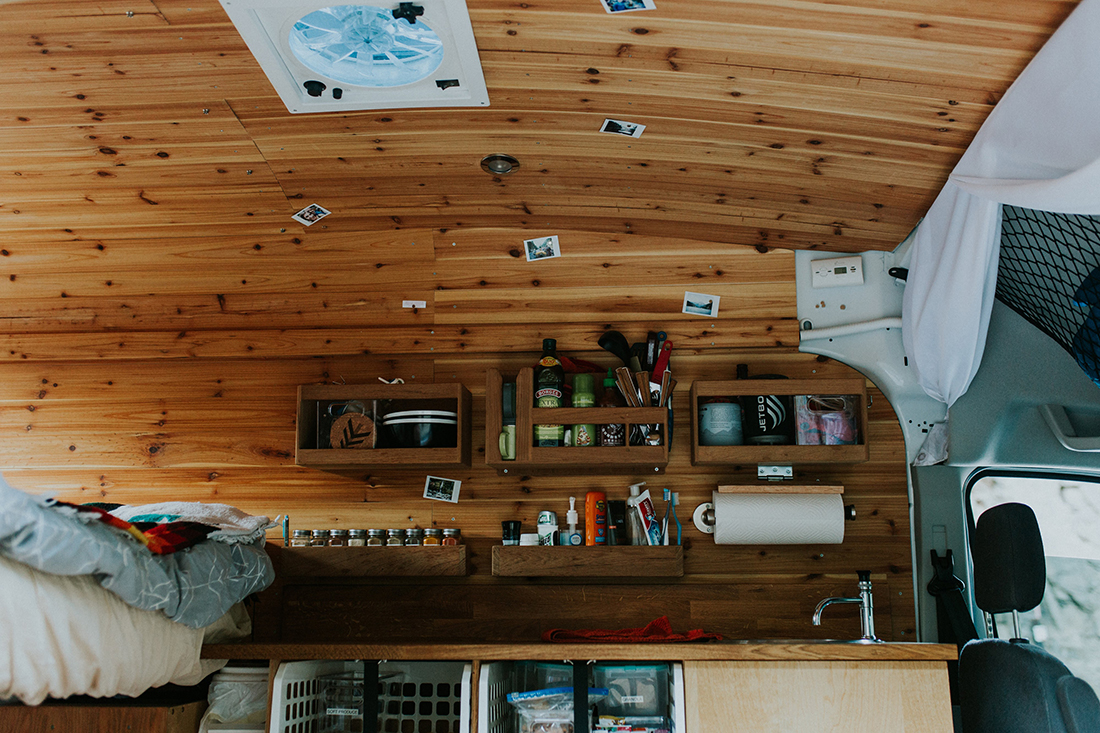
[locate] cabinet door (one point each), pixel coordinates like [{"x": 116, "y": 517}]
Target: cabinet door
[{"x": 779, "y": 697}]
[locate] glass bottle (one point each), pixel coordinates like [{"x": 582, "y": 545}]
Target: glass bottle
[
  {"x": 318, "y": 538},
  {"x": 450, "y": 537},
  {"x": 413, "y": 537},
  {"x": 376, "y": 537},
  {"x": 584, "y": 395},
  {"x": 433, "y": 537},
  {"x": 300, "y": 538},
  {"x": 357, "y": 538},
  {"x": 395, "y": 537},
  {"x": 614, "y": 434},
  {"x": 549, "y": 383},
  {"x": 337, "y": 538}
]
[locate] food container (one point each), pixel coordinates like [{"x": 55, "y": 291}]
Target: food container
[
  {"x": 420, "y": 432},
  {"x": 633, "y": 690}
]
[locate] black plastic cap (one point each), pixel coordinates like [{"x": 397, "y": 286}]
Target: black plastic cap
[{"x": 1009, "y": 566}]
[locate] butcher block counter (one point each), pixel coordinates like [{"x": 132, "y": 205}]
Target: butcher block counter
[{"x": 773, "y": 686}]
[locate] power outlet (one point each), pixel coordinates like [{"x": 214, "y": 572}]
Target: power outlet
[{"x": 837, "y": 272}]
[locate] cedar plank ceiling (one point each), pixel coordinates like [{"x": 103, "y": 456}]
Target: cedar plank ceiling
[{"x": 798, "y": 124}]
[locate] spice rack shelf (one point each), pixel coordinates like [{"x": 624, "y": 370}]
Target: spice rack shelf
[
  {"x": 313, "y": 397},
  {"x": 719, "y": 455},
  {"x": 616, "y": 561},
  {"x": 365, "y": 562},
  {"x": 532, "y": 459}
]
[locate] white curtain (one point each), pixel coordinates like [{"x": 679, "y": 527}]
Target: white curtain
[{"x": 1038, "y": 149}]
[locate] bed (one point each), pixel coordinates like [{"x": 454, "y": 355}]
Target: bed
[{"x": 91, "y": 604}]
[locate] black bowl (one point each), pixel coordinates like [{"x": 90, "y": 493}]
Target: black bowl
[{"x": 420, "y": 433}]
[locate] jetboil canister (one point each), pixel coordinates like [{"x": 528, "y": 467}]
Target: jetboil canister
[{"x": 768, "y": 419}]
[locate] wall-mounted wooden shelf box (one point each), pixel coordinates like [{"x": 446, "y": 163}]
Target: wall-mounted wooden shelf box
[
  {"x": 313, "y": 397},
  {"x": 716, "y": 455},
  {"x": 616, "y": 561},
  {"x": 367, "y": 562},
  {"x": 531, "y": 459}
]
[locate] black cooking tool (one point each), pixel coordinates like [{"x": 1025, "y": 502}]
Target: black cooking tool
[
  {"x": 616, "y": 343},
  {"x": 651, "y": 350}
]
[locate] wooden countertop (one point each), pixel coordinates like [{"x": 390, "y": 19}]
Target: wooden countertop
[{"x": 750, "y": 651}]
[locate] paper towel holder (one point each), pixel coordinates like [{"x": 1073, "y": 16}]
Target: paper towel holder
[{"x": 703, "y": 517}]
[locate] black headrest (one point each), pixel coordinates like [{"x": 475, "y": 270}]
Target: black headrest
[{"x": 1010, "y": 570}]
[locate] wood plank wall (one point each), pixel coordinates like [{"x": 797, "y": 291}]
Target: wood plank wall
[{"x": 206, "y": 412}]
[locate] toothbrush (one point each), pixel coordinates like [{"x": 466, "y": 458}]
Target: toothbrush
[
  {"x": 679, "y": 527},
  {"x": 664, "y": 523}
]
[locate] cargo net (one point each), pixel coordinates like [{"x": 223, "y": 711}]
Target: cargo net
[{"x": 1049, "y": 273}]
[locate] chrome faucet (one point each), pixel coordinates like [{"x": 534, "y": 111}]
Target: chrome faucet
[{"x": 866, "y": 608}]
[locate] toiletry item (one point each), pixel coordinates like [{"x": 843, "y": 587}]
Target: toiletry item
[
  {"x": 584, "y": 395},
  {"x": 616, "y": 522},
  {"x": 679, "y": 527},
  {"x": 529, "y": 539},
  {"x": 572, "y": 537},
  {"x": 549, "y": 389},
  {"x": 647, "y": 519},
  {"x": 509, "y": 531},
  {"x": 613, "y": 434},
  {"x": 547, "y": 527},
  {"x": 286, "y": 530},
  {"x": 634, "y": 531},
  {"x": 595, "y": 518},
  {"x": 300, "y": 538},
  {"x": 668, "y": 513}
]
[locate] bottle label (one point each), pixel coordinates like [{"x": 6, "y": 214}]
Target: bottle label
[
  {"x": 612, "y": 435},
  {"x": 548, "y": 397},
  {"x": 582, "y": 436},
  {"x": 548, "y": 361}
]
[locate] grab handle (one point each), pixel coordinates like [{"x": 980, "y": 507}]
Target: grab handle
[{"x": 1059, "y": 424}]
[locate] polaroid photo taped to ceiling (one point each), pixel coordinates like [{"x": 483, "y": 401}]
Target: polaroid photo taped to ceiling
[
  {"x": 311, "y": 214},
  {"x": 542, "y": 248},
  {"x": 619, "y": 127},
  {"x": 624, "y": 6}
]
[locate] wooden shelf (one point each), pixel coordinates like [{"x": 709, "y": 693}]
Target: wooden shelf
[
  {"x": 453, "y": 397},
  {"x": 531, "y": 459},
  {"x": 621, "y": 561},
  {"x": 717, "y": 455},
  {"x": 363, "y": 562}
]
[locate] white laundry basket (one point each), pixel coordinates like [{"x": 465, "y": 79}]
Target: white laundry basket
[{"x": 322, "y": 696}]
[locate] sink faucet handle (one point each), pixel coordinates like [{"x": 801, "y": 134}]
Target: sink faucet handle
[{"x": 864, "y": 576}]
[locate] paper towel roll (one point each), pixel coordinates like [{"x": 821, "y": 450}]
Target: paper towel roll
[{"x": 778, "y": 519}]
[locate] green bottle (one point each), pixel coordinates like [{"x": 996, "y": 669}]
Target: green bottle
[
  {"x": 549, "y": 382},
  {"x": 584, "y": 395}
]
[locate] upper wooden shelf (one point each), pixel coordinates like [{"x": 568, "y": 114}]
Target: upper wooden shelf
[
  {"x": 312, "y": 398},
  {"x": 716, "y": 455},
  {"x": 532, "y": 459}
]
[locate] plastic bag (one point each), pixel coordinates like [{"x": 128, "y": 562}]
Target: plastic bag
[
  {"x": 236, "y": 698},
  {"x": 549, "y": 710}
]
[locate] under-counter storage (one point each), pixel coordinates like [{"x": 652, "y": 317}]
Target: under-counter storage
[
  {"x": 843, "y": 439},
  {"x": 360, "y": 426},
  {"x": 649, "y": 695},
  {"x": 601, "y": 561},
  {"x": 325, "y": 696},
  {"x": 532, "y": 459}
]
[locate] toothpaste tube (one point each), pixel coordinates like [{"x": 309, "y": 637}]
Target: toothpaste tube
[{"x": 651, "y": 527}]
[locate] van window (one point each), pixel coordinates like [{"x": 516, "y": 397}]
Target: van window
[{"x": 1067, "y": 622}]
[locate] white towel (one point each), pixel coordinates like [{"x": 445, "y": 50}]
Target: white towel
[{"x": 234, "y": 526}]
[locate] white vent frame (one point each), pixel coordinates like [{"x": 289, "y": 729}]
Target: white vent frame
[{"x": 265, "y": 26}]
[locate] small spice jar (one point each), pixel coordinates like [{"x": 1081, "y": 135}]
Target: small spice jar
[
  {"x": 337, "y": 538},
  {"x": 357, "y": 538},
  {"x": 450, "y": 537},
  {"x": 414, "y": 537},
  {"x": 376, "y": 537},
  {"x": 395, "y": 537},
  {"x": 433, "y": 537},
  {"x": 318, "y": 538},
  {"x": 299, "y": 538}
]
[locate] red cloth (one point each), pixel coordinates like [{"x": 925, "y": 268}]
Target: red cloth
[{"x": 659, "y": 630}]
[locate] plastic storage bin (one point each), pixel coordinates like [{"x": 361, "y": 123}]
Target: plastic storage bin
[
  {"x": 497, "y": 679},
  {"x": 328, "y": 697},
  {"x": 633, "y": 689}
]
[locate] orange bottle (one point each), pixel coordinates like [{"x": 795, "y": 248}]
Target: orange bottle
[{"x": 595, "y": 518}]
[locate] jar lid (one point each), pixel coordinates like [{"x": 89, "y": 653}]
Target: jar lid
[
  {"x": 450, "y": 532},
  {"x": 395, "y": 532},
  {"x": 338, "y": 532},
  {"x": 319, "y": 533},
  {"x": 415, "y": 531},
  {"x": 301, "y": 533},
  {"x": 375, "y": 532},
  {"x": 357, "y": 532},
  {"x": 432, "y": 532}
]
